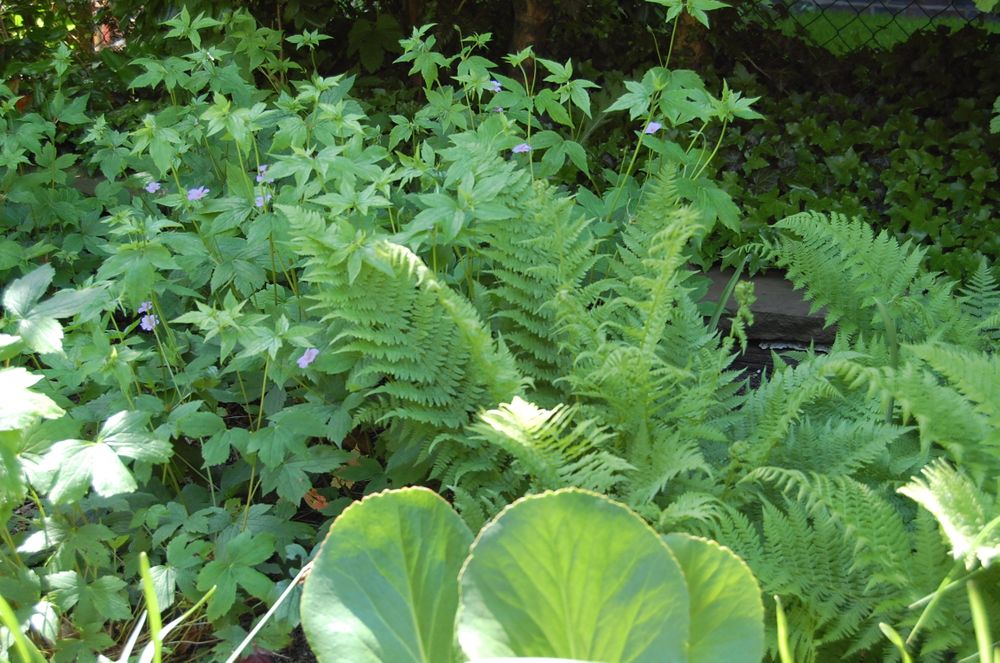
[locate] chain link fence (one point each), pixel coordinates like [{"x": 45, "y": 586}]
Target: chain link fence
[{"x": 842, "y": 26}]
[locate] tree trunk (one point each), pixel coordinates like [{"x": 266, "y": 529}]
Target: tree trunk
[
  {"x": 531, "y": 23},
  {"x": 691, "y": 44}
]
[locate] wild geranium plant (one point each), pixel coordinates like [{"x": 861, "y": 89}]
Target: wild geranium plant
[{"x": 279, "y": 298}]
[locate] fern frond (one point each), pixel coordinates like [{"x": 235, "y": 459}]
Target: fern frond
[
  {"x": 958, "y": 506},
  {"x": 552, "y": 448},
  {"x": 545, "y": 250},
  {"x": 659, "y": 460},
  {"x": 974, "y": 375},
  {"x": 770, "y": 412},
  {"x": 846, "y": 268},
  {"x": 834, "y": 446},
  {"x": 423, "y": 359},
  {"x": 878, "y": 532},
  {"x": 688, "y": 507},
  {"x": 981, "y": 296},
  {"x": 944, "y": 415}
]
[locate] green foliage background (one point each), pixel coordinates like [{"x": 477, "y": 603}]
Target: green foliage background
[{"x": 282, "y": 289}]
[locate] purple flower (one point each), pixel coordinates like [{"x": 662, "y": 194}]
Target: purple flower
[
  {"x": 307, "y": 357},
  {"x": 495, "y": 85},
  {"x": 260, "y": 200},
  {"x": 652, "y": 128},
  {"x": 145, "y": 307},
  {"x": 149, "y": 321},
  {"x": 262, "y": 174},
  {"x": 153, "y": 187},
  {"x": 197, "y": 194},
  {"x": 498, "y": 109},
  {"x": 521, "y": 148}
]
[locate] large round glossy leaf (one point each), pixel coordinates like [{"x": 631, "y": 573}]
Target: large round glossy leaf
[
  {"x": 727, "y": 616},
  {"x": 571, "y": 574},
  {"x": 384, "y": 585}
]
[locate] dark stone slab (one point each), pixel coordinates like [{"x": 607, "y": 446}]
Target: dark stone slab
[{"x": 780, "y": 313}]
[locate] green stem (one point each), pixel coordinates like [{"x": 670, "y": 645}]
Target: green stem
[
  {"x": 263, "y": 393},
  {"x": 673, "y": 36},
  {"x": 697, "y": 134},
  {"x": 935, "y": 599},
  {"x": 954, "y": 584},
  {"x": 893, "y": 341},
  {"x": 715, "y": 150},
  {"x": 274, "y": 267},
  {"x": 166, "y": 365},
  {"x": 784, "y": 652},
  {"x": 727, "y": 293},
  {"x": 623, "y": 177},
  {"x": 152, "y": 607},
  {"x": 531, "y": 96},
  {"x": 980, "y": 622},
  {"x": 9, "y": 542},
  {"x": 250, "y": 491}
]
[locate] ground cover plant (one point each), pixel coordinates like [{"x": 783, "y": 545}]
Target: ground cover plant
[
  {"x": 884, "y": 135},
  {"x": 280, "y": 297}
]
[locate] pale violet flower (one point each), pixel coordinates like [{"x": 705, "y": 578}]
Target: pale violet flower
[
  {"x": 260, "y": 200},
  {"x": 153, "y": 187},
  {"x": 198, "y": 193},
  {"x": 149, "y": 321},
  {"x": 262, "y": 174},
  {"x": 145, "y": 307},
  {"x": 652, "y": 128},
  {"x": 308, "y": 357},
  {"x": 495, "y": 85},
  {"x": 521, "y": 148}
]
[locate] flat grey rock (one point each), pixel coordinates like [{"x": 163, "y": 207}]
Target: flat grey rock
[{"x": 780, "y": 313}]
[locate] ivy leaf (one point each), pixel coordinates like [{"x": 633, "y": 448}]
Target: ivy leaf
[
  {"x": 577, "y": 155},
  {"x": 546, "y": 100},
  {"x": 184, "y": 559},
  {"x": 183, "y": 26},
  {"x": 674, "y": 7},
  {"x": 710, "y": 201},
  {"x": 75, "y": 462},
  {"x": 578, "y": 94},
  {"x": 42, "y": 335},
  {"x": 232, "y": 568}
]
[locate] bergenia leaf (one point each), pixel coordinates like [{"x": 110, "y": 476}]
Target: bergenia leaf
[
  {"x": 384, "y": 586},
  {"x": 550, "y": 575}
]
